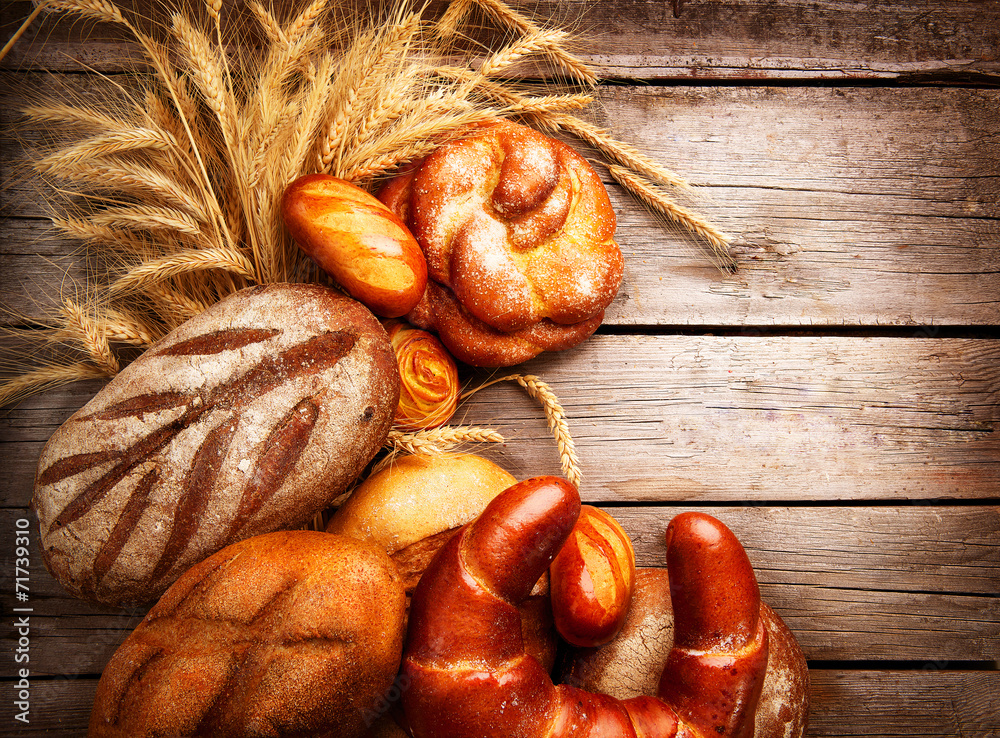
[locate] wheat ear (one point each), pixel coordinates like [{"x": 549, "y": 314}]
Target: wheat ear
[
  {"x": 659, "y": 202},
  {"x": 555, "y": 416},
  {"x": 572, "y": 66},
  {"x": 90, "y": 335},
  {"x": 179, "y": 306},
  {"x": 46, "y": 378},
  {"x": 184, "y": 262}
]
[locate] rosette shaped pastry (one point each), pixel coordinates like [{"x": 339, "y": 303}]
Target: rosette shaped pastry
[
  {"x": 518, "y": 233},
  {"x": 429, "y": 384}
]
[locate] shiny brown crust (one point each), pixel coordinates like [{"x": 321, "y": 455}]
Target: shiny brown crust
[
  {"x": 292, "y": 633},
  {"x": 469, "y": 674},
  {"x": 249, "y": 418},
  {"x": 358, "y": 241},
  {"x": 628, "y": 667},
  {"x": 518, "y": 232}
]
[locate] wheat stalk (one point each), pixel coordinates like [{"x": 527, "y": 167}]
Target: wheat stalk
[
  {"x": 148, "y": 217},
  {"x": 90, "y": 335},
  {"x": 433, "y": 441},
  {"x": 43, "y": 378},
  {"x": 659, "y": 202},
  {"x": 572, "y": 66},
  {"x": 306, "y": 20},
  {"x": 176, "y": 306},
  {"x": 137, "y": 179},
  {"x": 95, "y": 9},
  {"x": 123, "y": 328},
  {"x": 80, "y": 115},
  {"x": 184, "y": 262},
  {"x": 86, "y": 230},
  {"x": 107, "y": 144},
  {"x": 555, "y": 417}
]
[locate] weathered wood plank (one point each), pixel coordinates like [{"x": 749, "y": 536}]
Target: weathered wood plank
[
  {"x": 848, "y": 206},
  {"x": 740, "y": 419},
  {"x": 863, "y": 206},
  {"x": 894, "y": 548},
  {"x": 927, "y": 703},
  {"x": 748, "y": 419},
  {"x": 712, "y": 39}
]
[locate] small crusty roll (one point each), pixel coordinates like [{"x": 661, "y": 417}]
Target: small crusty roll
[
  {"x": 411, "y": 507},
  {"x": 630, "y": 665},
  {"x": 291, "y": 633},
  {"x": 415, "y": 506}
]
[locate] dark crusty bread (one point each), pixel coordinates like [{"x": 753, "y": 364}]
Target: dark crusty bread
[
  {"x": 249, "y": 418},
  {"x": 630, "y": 665},
  {"x": 293, "y": 633}
]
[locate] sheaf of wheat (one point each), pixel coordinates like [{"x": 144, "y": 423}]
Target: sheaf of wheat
[{"x": 175, "y": 186}]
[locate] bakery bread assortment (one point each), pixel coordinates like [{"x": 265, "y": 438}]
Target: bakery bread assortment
[
  {"x": 292, "y": 633},
  {"x": 414, "y": 506},
  {"x": 518, "y": 233},
  {"x": 251, "y": 417},
  {"x": 468, "y": 672},
  {"x": 430, "y": 604}
]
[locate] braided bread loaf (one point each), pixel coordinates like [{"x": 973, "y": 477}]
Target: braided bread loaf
[{"x": 518, "y": 233}]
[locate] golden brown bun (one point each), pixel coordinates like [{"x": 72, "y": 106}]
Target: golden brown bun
[
  {"x": 288, "y": 633},
  {"x": 518, "y": 232},
  {"x": 630, "y": 665},
  {"x": 418, "y": 497}
]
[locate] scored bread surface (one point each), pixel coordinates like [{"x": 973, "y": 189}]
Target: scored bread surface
[{"x": 250, "y": 417}]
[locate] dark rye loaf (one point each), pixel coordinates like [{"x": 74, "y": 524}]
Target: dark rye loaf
[{"x": 249, "y": 418}]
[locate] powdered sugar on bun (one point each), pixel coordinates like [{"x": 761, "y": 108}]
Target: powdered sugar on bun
[{"x": 518, "y": 231}]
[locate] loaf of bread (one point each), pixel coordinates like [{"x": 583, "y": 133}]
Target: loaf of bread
[
  {"x": 249, "y": 418},
  {"x": 292, "y": 633},
  {"x": 469, "y": 675},
  {"x": 518, "y": 233},
  {"x": 629, "y": 666}
]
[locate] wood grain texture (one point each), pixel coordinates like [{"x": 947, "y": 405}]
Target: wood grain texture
[
  {"x": 743, "y": 418},
  {"x": 843, "y": 208},
  {"x": 871, "y": 704},
  {"x": 711, "y": 39}
]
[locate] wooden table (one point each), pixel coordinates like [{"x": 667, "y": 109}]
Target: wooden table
[{"x": 836, "y": 401}]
